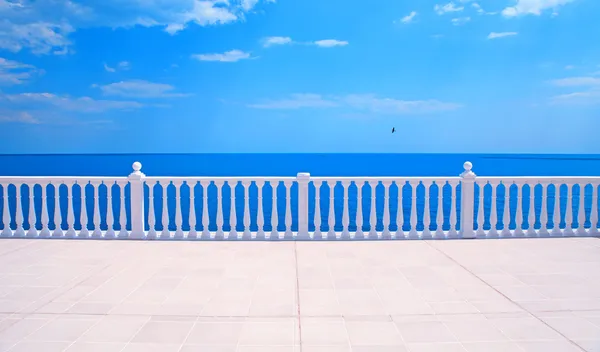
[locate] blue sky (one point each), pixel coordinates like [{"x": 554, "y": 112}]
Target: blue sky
[{"x": 195, "y": 76}]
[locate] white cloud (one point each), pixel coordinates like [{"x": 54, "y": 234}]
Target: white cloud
[
  {"x": 13, "y": 72},
  {"x": 449, "y": 7},
  {"x": 366, "y": 102},
  {"x": 228, "y": 56},
  {"x": 18, "y": 117},
  {"x": 140, "y": 89},
  {"x": 495, "y": 35},
  {"x": 108, "y": 68},
  {"x": 123, "y": 66},
  {"x": 43, "y": 26},
  {"x": 577, "y": 82},
  {"x": 409, "y": 18},
  {"x": 460, "y": 20},
  {"x": 82, "y": 104},
  {"x": 533, "y": 7},
  {"x": 589, "y": 95},
  {"x": 271, "y": 41},
  {"x": 329, "y": 43}
]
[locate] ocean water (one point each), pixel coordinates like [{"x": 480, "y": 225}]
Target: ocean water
[{"x": 290, "y": 165}]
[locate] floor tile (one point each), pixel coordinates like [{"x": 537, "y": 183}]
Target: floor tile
[{"x": 163, "y": 332}]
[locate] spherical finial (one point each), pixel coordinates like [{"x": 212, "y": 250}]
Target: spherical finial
[
  {"x": 137, "y": 166},
  {"x": 468, "y": 166}
]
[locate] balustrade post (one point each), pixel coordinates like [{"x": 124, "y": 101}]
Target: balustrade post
[
  {"x": 136, "y": 190},
  {"x": 303, "y": 179},
  {"x": 467, "y": 207}
]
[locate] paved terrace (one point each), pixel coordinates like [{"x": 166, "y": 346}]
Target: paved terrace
[{"x": 470, "y": 295}]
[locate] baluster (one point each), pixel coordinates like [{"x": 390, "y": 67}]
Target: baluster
[
  {"x": 233, "y": 222},
  {"x": 247, "y": 234},
  {"x": 426, "y": 214},
  {"x": 110, "y": 218},
  {"x": 400, "y": 211},
  {"x": 531, "y": 214},
  {"x": 569, "y": 211},
  {"x": 318, "y": 234},
  {"x": 6, "y": 231},
  {"x": 359, "y": 210},
  {"x": 70, "y": 212},
  {"x": 331, "y": 217},
  {"x": 165, "y": 233},
  {"x": 439, "y": 218},
  {"x": 386, "y": 234},
  {"x": 122, "y": 210},
  {"x": 544, "y": 211},
  {"x": 274, "y": 213},
  {"x": 519, "y": 211},
  {"x": 83, "y": 216},
  {"x": 413, "y": 210},
  {"x": 151, "y": 213},
  {"x": 556, "y": 231},
  {"x": 32, "y": 232},
  {"x": 288, "y": 209},
  {"x": 346, "y": 210},
  {"x": 44, "y": 217},
  {"x": 178, "y": 217},
  {"x": 205, "y": 218},
  {"x": 581, "y": 211},
  {"x": 493, "y": 212},
  {"x": 373, "y": 210},
  {"x": 480, "y": 215},
  {"x": 192, "y": 212},
  {"x": 96, "y": 188},
  {"x": 593, "y": 230},
  {"x": 219, "y": 234},
  {"x": 454, "y": 199},
  {"x": 260, "y": 217},
  {"x": 506, "y": 215},
  {"x": 20, "y": 232}
]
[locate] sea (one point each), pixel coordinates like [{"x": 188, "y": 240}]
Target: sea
[{"x": 246, "y": 164}]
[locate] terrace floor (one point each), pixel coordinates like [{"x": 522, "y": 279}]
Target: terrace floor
[{"x": 440, "y": 296}]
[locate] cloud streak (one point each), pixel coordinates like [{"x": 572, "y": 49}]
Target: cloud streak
[
  {"x": 496, "y": 35},
  {"x": 533, "y": 7},
  {"x": 14, "y": 72},
  {"x": 81, "y": 104},
  {"x": 140, "y": 89},
  {"x": 330, "y": 43},
  {"x": 228, "y": 56}
]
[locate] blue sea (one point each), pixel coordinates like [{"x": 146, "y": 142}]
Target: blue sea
[{"x": 290, "y": 165}]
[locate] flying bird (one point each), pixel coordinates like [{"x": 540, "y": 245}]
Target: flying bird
[{"x": 393, "y": 129}]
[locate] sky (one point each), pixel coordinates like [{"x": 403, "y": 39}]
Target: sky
[{"x": 310, "y": 76}]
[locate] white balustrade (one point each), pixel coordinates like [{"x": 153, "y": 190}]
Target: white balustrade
[{"x": 540, "y": 218}]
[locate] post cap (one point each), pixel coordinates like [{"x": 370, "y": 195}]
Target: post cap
[
  {"x": 137, "y": 166},
  {"x": 468, "y": 166},
  {"x": 468, "y": 173},
  {"x": 304, "y": 176}
]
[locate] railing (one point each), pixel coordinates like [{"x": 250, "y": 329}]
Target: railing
[{"x": 298, "y": 208}]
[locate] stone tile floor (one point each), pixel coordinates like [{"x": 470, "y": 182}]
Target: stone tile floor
[{"x": 441, "y": 296}]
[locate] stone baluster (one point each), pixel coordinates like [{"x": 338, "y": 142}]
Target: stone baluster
[
  {"x": 426, "y": 213},
  {"x": 193, "y": 233},
  {"x": 413, "y": 210},
  {"x": 519, "y": 213},
  {"x": 178, "y": 217},
  {"x": 97, "y": 233},
  {"x": 331, "y": 217},
  {"x": 480, "y": 212},
  {"x": 6, "y": 231},
  {"x": 544, "y": 211},
  {"x": 151, "y": 212},
  {"x": 20, "y": 232},
  {"x": 373, "y": 210},
  {"x": 569, "y": 211},
  {"x": 386, "y": 234},
  {"x": 274, "y": 212},
  {"x": 494, "y": 212},
  {"x": 205, "y": 219},
  {"x": 70, "y": 212},
  {"x": 110, "y": 218},
  {"x": 122, "y": 211},
  {"x": 581, "y": 211},
  {"x": 593, "y": 230},
  {"x": 165, "y": 233},
  {"x": 83, "y": 215},
  {"x": 233, "y": 221},
  {"x": 247, "y": 234},
  {"x": 288, "y": 209},
  {"x": 219, "y": 235},
  {"x": 32, "y": 231},
  {"x": 439, "y": 216},
  {"x": 531, "y": 213},
  {"x": 359, "y": 210},
  {"x": 506, "y": 214},
  {"x": 400, "y": 212},
  {"x": 45, "y": 232},
  {"x": 318, "y": 234},
  {"x": 260, "y": 216},
  {"x": 453, "y": 203},
  {"x": 345, "y": 213},
  {"x": 556, "y": 231}
]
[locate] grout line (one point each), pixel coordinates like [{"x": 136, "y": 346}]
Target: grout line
[
  {"x": 503, "y": 295},
  {"x": 298, "y": 298}
]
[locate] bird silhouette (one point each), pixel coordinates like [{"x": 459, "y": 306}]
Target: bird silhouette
[{"x": 393, "y": 129}]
